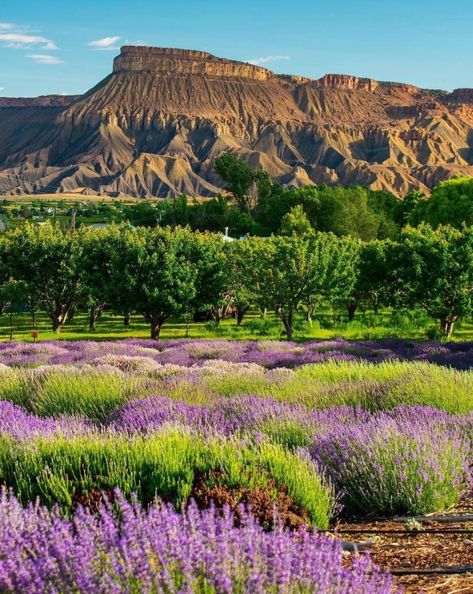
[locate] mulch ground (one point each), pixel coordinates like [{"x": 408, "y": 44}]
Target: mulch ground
[{"x": 408, "y": 550}]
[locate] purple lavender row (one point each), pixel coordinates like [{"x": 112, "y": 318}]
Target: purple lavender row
[
  {"x": 243, "y": 414},
  {"x": 269, "y": 354},
  {"x": 409, "y": 459},
  {"x": 159, "y": 550}
]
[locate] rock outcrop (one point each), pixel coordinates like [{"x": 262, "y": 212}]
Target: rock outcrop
[
  {"x": 156, "y": 124},
  {"x": 175, "y": 62}
]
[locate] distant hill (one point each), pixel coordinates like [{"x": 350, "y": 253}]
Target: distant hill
[{"x": 155, "y": 125}]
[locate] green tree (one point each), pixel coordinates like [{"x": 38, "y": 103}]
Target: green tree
[
  {"x": 212, "y": 289},
  {"x": 144, "y": 213},
  {"x": 434, "y": 271},
  {"x": 450, "y": 203},
  {"x": 163, "y": 275},
  {"x": 246, "y": 185},
  {"x": 13, "y": 294},
  {"x": 371, "y": 274},
  {"x": 295, "y": 222},
  {"x": 347, "y": 211},
  {"x": 409, "y": 206},
  {"x": 107, "y": 269},
  {"x": 240, "y": 276},
  {"x": 293, "y": 270},
  {"x": 48, "y": 262}
]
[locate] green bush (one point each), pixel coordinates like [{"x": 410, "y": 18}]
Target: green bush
[
  {"x": 60, "y": 390},
  {"x": 90, "y": 392},
  {"x": 166, "y": 464},
  {"x": 386, "y": 385}
]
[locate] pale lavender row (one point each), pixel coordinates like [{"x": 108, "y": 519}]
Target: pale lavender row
[
  {"x": 237, "y": 415},
  {"x": 270, "y": 354},
  {"x": 159, "y": 550}
]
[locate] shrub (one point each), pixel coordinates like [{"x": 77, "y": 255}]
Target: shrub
[
  {"x": 135, "y": 550},
  {"x": 166, "y": 464},
  {"x": 90, "y": 392},
  {"x": 388, "y": 465},
  {"x": 386, "y": 385}
]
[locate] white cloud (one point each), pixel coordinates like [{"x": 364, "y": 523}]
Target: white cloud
[
  {"x": 44, "y": 59},
  {"x": 266, "y": 59},
  {"x": 2, "y": 88},
  {"x": 106, "y": 43},
  {"x": 20, "y": 38}
]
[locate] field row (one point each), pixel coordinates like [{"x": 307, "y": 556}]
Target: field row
[{"x": 281, "y": 443}]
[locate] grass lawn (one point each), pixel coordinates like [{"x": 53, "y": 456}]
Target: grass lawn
[{"x": 324, "y": 327}]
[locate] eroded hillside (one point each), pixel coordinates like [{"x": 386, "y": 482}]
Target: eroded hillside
[{"x": 155, "y": 125}]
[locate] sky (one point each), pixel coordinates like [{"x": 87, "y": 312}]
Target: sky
[{"x": 67, "y": 46}]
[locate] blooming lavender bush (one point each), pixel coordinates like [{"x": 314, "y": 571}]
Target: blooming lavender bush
[
  {"x": 95, "y": 412},
  {"x": 128, "y": 549},
  {"x": 404, "y": 462},
  {"x": 282, "y": 425},
  {"x": 223, "y": 416},
  {"x": 95, "y": 378},
  {"x": 16, "y": 422}
]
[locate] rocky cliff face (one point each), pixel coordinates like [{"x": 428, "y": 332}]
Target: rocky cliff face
[
  {"x": 157, "y": 123},
  {"x": 175, "y": 62}
]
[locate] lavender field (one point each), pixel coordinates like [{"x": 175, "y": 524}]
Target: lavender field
[
  {"x": 269, "y": 353},
  {"x": 239, "y": 455}
]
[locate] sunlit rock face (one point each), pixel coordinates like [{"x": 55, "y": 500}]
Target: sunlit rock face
[{"x": 155, "y": 125}]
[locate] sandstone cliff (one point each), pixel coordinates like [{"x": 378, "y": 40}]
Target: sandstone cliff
[{"x": 156, "y": 124}]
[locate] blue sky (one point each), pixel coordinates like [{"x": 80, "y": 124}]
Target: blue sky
[{"x": 67, "y": 46}]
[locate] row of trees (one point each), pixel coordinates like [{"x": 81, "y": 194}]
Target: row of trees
[
  {"x": 165, "y": 273},
  {"x": 256, "y": 204},
  {"x": 355, "y": 211}
]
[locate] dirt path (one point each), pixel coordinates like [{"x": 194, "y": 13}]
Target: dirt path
[{"x": 441, "y": 542}]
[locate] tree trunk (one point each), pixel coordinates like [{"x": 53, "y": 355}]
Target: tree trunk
[
  {"x": 262, "y": 312},
  {"x": 58, "y": 323},
  {"x": 375, "y": 302},
  {"x": 59, "y": 317},
  {"x": 287, "y": 320},
  {"x": 352, "y": 306},
  {"x": 218, "y": 313},
  {"x": 126, "y": 319},
  {"x": 156, "y": 325},
  {"x": 288, "y": 328},
  {"x": 92, "y": 319},
  {"x": 240, "y": 314},
  {"x": 94, "y": 315},
  {"x": 446, "y": 325},
  {"x": 155, "y": 330},
  {"x": 309, "y": 314}
]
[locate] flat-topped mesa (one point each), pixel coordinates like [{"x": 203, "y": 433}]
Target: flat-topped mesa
[
  {"x": 346, "y": 81},
  {"x": 462, "y": 95},
  {"x": 42, "y": 101},
  {"x": 356, "y": 83},
  {"x": 170, "y": 61}
]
